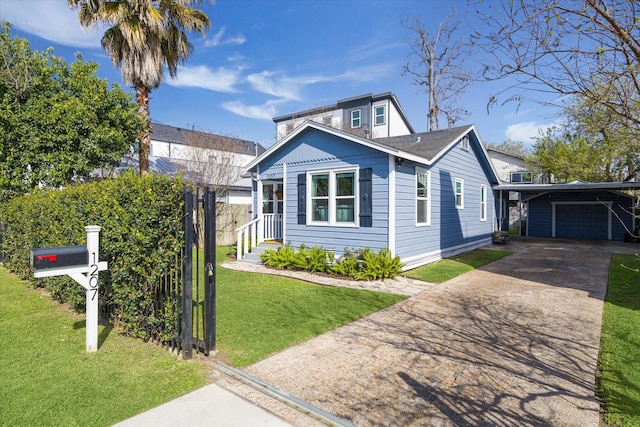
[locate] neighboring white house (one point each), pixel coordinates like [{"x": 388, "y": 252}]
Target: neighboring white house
[
  {"x": 213, "y": 159},
  {"x": 205, "y": 158},
  {"x": 369, "y": 116},
  {"x": 514, "y": 169}
]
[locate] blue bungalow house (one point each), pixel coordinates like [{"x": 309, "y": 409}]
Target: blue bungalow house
[{"x": 423, "y": 196}]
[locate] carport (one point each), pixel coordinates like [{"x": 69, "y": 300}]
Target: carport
[{"x": 603, "y": 210}]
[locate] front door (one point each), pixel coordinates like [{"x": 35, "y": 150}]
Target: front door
[
  {"x": 272, "y": 197},
  {"x": 272, "y": 209}
]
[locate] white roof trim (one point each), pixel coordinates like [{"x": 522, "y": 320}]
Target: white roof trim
[
  {"x": 337, "y": 132},
  {"x": 371, "y": 144},
  {"x": 457, "y": 139}
]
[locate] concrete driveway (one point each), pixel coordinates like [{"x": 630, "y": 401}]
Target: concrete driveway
[{"x": 512, "y": 344}]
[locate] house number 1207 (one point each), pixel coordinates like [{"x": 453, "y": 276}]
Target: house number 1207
[{"x": 93, "y": 276}]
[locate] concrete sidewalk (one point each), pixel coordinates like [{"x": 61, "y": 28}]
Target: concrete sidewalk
[{"x": 210, "y": 406}]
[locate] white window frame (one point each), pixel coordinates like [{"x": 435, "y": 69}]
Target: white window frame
[
  {"x": 483, "y": 202},
  {"x": 461, "y": 193},
  {"x": 359, "y": 118},
  {"x": 464, "y": 143},
  {"x": 333, "y": 197},
  {"x": 420, "y": 171},
  {"x": 376, "y": 115}
]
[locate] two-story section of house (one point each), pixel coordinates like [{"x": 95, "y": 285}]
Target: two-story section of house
[
  {"x": 368, "y": 116},
  {"x": 206, "y": 158},
  {"x": 514, "y": 169}
]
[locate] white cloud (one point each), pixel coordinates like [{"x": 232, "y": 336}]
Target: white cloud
[
  {"x": 218, "y": 80},
  {"x": 282, "y": 87},
  {"x": 373, "y": 49},
  {"x": 526, "y": 131},
  {"x": 51, "y": 20},
  {"x": 290, "y": 88},
  {"x": 219, "y": 40},
  {"x": 265, "y": 111}
]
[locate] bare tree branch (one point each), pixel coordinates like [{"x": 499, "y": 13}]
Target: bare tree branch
[
  {"x": 567, "y": 48},
  {"x": 436, "y": 63}
]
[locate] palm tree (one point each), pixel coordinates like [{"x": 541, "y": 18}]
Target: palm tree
[{"x": 145, "y": 35}]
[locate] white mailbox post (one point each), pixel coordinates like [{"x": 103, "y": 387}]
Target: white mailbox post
[{"x": 83, "y": 267}]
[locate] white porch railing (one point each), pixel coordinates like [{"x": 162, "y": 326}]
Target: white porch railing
[
  {"x": 272, "y": 227},
  {"x": 250, "y": 235}
]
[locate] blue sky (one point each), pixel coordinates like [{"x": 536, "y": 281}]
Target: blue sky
[{"x": 265, "y": 58}]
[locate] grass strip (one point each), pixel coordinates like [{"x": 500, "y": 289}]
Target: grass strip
[
  {"x": 48, "y": 378},
  {"x": 448, "y": 268},
  {"x": 619, "y": 360}
]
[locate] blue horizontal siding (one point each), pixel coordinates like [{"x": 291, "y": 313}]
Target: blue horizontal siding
[
  {"x": 315, "y": 150},
  {"x": 450, "y": 227}
]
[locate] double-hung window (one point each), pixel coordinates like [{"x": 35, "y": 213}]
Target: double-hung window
[
  {"x": 332, "y": 197},
  {"x": 483, "y": 202},
  {"x": 379, "y": 115},
  {"x": 356, "y": 118},
  {"x": 459, "y": 192},
  {"x": 423, "y": 197}
]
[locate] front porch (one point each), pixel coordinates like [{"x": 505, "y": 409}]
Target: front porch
[{"x": 267, "y": 227}]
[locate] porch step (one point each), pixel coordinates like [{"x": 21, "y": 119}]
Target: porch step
[{"x": 254, "y": 256}]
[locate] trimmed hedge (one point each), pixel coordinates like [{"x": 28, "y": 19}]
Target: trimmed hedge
[{"x": 141, "y": 238}]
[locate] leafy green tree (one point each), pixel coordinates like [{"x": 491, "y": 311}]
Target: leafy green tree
[
  {"x": 564, "y": 157},
  {"x": 58, "y": 123},
  {"x": 145, "y": 36},
  {"x": 593, "y": 144}
]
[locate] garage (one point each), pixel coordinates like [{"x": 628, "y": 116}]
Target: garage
[
  {"x": 583, "y": 220},
  {"x": 576, "y": 210}
]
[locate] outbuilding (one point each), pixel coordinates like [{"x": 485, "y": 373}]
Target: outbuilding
[{"x": 604, "y": 210}]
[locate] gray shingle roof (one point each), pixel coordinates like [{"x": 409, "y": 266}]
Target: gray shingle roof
[
  {"x": 426, "y": 144},
  {"x": 166, "y": 133}
]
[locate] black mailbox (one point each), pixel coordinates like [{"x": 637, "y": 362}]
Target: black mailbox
[{"x": 59, "y": 257}]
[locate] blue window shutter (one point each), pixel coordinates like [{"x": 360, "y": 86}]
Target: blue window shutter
[
  {"x": 365, "y": 181},
  {"x": 302, "y": 199}
]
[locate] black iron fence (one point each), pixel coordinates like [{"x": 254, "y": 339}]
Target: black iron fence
[{"x": 184, "y": 312}]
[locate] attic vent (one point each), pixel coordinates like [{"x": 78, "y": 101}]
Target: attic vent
[{"x": 464, "y": 143}]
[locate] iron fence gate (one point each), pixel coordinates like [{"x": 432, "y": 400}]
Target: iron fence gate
[{"x": 198, "y": 320}]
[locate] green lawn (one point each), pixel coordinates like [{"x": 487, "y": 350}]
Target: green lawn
[
  {"x": 619, "y": 362},
  {"x": 48, "y": 379},
  {"x": 448, "y": 268},
  {"x": 260, "y": 314}
]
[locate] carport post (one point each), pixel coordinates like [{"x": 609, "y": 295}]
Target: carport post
[{"x": 501, "y": 213}]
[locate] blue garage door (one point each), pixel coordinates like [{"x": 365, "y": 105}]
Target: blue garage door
[{"x": 582, "y": 221}]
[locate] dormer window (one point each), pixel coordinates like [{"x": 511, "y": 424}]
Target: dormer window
[
  {"x": 379, "y": 115},
  {"x": 289, "y": 128},
  {"x": 355, "y": 118},
  {"x": 326, "y": 120}
]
